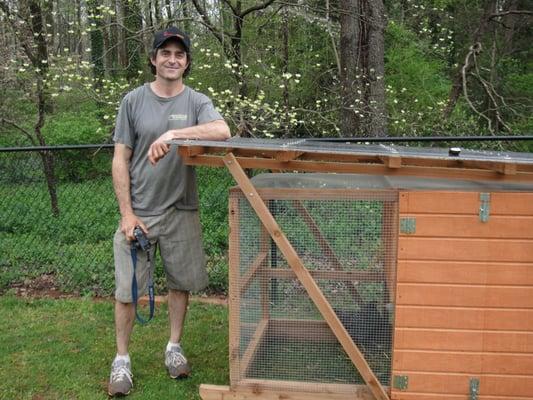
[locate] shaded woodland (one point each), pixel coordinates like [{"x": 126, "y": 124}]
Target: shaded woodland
[{"x": 274, "y": 68}]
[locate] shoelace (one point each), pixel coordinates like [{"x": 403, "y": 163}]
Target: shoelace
[
  {"x": 175, "y": 358},
  {"x": 119, "y": 373}
]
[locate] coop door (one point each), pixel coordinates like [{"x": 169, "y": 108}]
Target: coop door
[
  {"x": 347, "y": 240},
  {"x": 464, "y": 323}
]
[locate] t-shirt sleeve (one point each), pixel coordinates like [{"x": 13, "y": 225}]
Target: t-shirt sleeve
[
  {"x": 124, "y": 132},
  {"x": 206, "y": 111}
]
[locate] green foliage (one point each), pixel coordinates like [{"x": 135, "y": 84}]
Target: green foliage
[
  {"x": 73, "y": 128},
  {"x": 418, "y": 88},
  {"x": 70, "y": 128},
  {"x": 62, "y": 349}
]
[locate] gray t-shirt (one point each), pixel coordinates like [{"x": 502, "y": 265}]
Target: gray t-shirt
[{"x": 142, "y": 118}]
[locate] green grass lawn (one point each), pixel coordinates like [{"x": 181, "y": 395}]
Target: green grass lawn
[{"x": 62, "y": 349}]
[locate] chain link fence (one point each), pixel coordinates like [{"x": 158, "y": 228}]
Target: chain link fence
[{"x": 61, "y": 226}]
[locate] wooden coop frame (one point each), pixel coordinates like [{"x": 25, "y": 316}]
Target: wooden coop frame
[{"x": 279, "y": 155}]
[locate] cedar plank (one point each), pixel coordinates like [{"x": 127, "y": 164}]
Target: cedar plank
[{"x": 439, "y": 249}]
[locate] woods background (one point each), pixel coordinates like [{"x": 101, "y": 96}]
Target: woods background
[{"x": 273, "y": 68}]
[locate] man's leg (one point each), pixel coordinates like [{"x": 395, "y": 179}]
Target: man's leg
[
  {"x": 124, "y": 317},
  {"x": 175, "y": 361},
  {"x": 121, "y": 379},
  {"x": 184, "y": 261},
  {"x": 177, "y": 309}
]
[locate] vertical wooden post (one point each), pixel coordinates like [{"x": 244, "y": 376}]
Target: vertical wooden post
[
  {"x": 234, "y": 292},
  {"x": 263, "y": 274},
  {"x": 389, "y": 231}
]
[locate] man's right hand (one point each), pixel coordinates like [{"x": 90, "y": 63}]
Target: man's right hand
[{"x": 128, "y": 224}]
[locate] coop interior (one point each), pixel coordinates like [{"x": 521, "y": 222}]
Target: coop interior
[{"x": 346, "y": 238}]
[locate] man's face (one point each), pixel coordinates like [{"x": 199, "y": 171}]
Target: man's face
[{"x": 170, "y": 61}]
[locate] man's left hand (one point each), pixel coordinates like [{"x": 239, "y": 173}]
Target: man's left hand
[{"x": 159, "y": 148}]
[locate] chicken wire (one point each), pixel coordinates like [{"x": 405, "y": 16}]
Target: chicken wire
[{"x": 346, "y": 239}]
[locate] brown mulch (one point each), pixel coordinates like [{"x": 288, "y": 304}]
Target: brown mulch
[{"x": 44, "y": 286}]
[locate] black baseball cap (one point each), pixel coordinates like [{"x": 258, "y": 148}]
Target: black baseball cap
[{"x": 169, "y": 33}]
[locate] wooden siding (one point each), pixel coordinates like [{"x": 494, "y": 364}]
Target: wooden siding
[{"x": 464, "y": 298}]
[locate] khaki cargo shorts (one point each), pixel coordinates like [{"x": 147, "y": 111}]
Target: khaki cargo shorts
[{"x": 177, "y": 236}]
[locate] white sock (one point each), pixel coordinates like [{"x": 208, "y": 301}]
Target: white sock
[
  {"x": 170, "y": 345},
  {"x": 123, "y": 358}
]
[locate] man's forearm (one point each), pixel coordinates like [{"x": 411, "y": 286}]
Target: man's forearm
[
  {"x": 121, "y": 184},
  {"x": 215, "y": 130}
]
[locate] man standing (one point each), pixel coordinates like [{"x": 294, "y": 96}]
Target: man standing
[{"x": 159, "y": 195}]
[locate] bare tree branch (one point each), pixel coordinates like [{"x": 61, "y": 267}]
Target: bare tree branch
[
  {"x": 503, "y": 14},
  {"x": 257, "y": 7},
  {"x": 474, "y": 49},
  {"x": 332, "y": 37},
  {"x": 20, "y": 129},
  {"x": 230, "y": 5},
  {"x": 489, "y": 89}
]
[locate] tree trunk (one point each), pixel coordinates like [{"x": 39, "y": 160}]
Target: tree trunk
[
  {"x": 377, "y": 124},
  {"x": 111, "y": 44},
  {"x": 121, "y": 35},
  {"x": 79, "y": 44},
  {"x": 350, "y": 36},
  {"x": 149, "y": 14},
  {"x": 97, "y": 42},
  {"x": 510, "y": 23},
  {"x": 236, "y": 41},
  {"x": 186, "y": 15},
  {"x": 50, "y": 28},
  {"x": 37, "y": 24},
  {"x": 133, "y": 25},
  {"x": 285, "y": 69},
  {"x": 169, "y": 10}
]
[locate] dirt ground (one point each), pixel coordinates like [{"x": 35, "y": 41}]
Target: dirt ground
[{"x": 44, "y": 286}]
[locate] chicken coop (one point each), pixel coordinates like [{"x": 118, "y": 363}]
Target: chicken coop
[{"x": 405, "y": 274}]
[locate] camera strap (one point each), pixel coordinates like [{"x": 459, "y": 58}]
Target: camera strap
[{"x": 134, "y": 289}]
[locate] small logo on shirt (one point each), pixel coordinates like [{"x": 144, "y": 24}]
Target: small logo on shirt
[{"x": 177, "y": 117}]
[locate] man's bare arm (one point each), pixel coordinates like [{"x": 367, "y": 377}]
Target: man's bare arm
[
  {"x": 121, "y": 184},
  {"x": 215, "y": 130}
]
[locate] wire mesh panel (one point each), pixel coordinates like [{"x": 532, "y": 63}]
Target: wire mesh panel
[
  {"x": 57, "y": 232},
  {"x": 346, "y": 240}
]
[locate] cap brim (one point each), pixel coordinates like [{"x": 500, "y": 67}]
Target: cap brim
[{"x": 175, "y": 37}]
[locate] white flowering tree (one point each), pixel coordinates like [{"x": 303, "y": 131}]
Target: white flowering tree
[{"x": 28, "y": 22}]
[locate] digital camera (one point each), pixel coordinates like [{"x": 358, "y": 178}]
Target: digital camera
[{"x": 141, "y": 241}]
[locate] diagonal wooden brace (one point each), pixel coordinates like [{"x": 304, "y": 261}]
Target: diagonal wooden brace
[{"x": 305, "y": 277}]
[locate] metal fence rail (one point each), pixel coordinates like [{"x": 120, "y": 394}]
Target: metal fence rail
[{"x": 72, "y": 246}]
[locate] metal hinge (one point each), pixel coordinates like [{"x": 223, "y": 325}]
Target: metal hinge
[
  {"x": 484, "y": 207},
  {"x": 400, "y": 382},
  {"x": 408, "y": 225},
  {"x": 474, "y": 388}
]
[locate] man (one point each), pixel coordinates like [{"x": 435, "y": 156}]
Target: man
[{"x": 157, "y": 192}]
